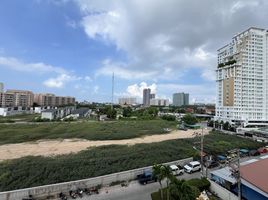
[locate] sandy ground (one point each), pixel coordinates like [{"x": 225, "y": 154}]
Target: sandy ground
[{"x": 66, "y": 146}]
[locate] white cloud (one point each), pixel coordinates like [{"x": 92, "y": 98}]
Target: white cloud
[
  {"x": 96, "y": 89},
  {"x": 60, "y": 81},
  {"x": 88, "y": 78},
  {"x": 157, "y": 34},
  {"x": 136, "y": 90},
  {"x": 38, "y": 67},
  {"x": 122, "y": 71}
]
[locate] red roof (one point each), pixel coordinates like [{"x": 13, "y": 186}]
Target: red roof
[{"x": 256, "y": 173}]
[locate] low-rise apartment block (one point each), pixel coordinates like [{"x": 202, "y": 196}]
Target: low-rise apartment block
[{"x": 53, "y": 100}]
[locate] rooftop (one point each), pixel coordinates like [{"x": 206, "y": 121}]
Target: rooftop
[{"x": 256, "y": 174}]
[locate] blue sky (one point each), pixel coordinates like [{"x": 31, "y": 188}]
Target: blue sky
[{"x": 72, "y": 47}]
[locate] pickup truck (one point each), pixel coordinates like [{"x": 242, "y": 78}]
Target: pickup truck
[{"x": 146, "y": 177}]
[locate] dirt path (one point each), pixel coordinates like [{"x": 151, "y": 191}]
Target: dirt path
[{"x": 66, "y": 146}]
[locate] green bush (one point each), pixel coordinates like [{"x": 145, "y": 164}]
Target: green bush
[
  {"x": 189, "y": 119},
  {"x": 169, "y": 117},
  {"x": 202, "y": 184}
]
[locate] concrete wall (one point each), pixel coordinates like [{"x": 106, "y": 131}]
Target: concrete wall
[
  {"x": 54, "y": 189},
  {"x": 222, "y": 192}
]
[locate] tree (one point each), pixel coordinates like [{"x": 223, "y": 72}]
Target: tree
[
  {"x": 111, "y": 113},
  {"x": 189, "y": 119},
  {"x": 152, "y": 111},
  {"x": 159, "y": 174},
  {"x": 127, "y": 112},
  {"x": 169, "y": 176},
  {"x": 180, "y": 190},
  {"x": 169, "y": 117},
  {"x": 226, "y": 126}
]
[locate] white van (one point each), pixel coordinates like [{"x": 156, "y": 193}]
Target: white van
[
  {"x": 176, "y": 170},
  {"x": 192, "y": 167}
]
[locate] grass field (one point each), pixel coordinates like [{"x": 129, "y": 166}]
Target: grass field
[
  {"x": 18, "y": 118},
  {"x": 34, "y": 171},
  {"x": 17, "y": 133}
]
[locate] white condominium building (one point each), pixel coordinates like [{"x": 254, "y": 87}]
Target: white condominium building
[
  {"x": 127, "y": 101},
  {"x": 242, "y": 79}
]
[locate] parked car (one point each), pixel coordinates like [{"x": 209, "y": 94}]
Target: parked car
[
  {"x": 176, "y": 169},
  {"x": 212, "y": 164},
  {"x": 192, "y": 167},
  {"x": 254, "y": 153},
  {"x": 262, "y": 150},
  {"x": 244, "y": 152},
  {"x": 146, "y": 177},
  {"x": 222, "y": 159}
]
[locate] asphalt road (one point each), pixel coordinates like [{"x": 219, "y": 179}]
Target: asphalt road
[{"x": 134, "y": 191}]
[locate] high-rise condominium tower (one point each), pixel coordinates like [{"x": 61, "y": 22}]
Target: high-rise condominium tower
[
  {"x": 146, "y": 97},
  {"x": 180, "y": 99},
  {"x": 242, "y": 79}
]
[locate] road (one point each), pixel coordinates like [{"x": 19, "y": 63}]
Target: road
[{"x": 134, "y": 191}]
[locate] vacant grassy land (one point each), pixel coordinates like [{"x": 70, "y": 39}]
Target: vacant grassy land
[
  {"x": 34, "y": 171},
  {"x": 17, "y": 133},
  {"x": 18, "y": 118}
]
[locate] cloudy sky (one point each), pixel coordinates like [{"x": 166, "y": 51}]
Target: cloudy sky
[{"x": 72, "y": 47}]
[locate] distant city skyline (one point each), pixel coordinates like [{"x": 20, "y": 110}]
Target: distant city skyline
[{"x": 71, "y": 48}]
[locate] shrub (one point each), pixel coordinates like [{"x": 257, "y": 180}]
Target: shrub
[
  {"x": 202, "y": 184},
  {"x": 169, "y": 117}
]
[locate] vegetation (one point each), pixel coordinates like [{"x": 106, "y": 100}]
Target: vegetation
[
  {"x": 34, "y": 171},
  {"x": 230, "y": 62},
  {"x": 86, "y": 130},
  {"x": 18, "y": 118},
  {"x": 181, "y": 189},
  {"x": 189, "y": 119},
  {"x": 169, "y": 117}
]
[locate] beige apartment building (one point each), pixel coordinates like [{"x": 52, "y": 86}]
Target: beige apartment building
[
  {"x": 16, "y": 98},
  {"x": 52, "y": 100}
]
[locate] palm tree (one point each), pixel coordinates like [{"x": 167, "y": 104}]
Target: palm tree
[
  {"x": 169, "y": 176},
  {"x": 158, "y": 173},
  {"x": 180, "y": 190}
]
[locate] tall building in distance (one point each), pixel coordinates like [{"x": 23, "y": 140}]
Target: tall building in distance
[
  {"x": 146, "y": 97},
  {"x": 127, "y": 101},
  {"x": 16, "y": 98},
  {"x": 53, "y": 100},
  {"x": 242, "y": 79},
  {"x": 1, "y": 87},
  {"x": 159, "y": 102},
  {"x": 180, "y": 99}
]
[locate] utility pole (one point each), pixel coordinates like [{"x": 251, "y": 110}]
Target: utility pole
[
  {"x": 112, "y": 92},
  {"x": 235, "y": 167},
  {"x": 202, "y": 151},
  {"x": 238, "y": 175}
]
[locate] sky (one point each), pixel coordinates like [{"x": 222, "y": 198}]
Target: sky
[{"x": 72, "y": 47}]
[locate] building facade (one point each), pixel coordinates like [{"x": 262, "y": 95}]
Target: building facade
[
  {"x": 159, "y": 102},
  {"x": 127, "y": 101},
  {"x": 180, "y": 99},
  {"x": 16, "y": 98},
  {"x": 242, "y": 78},
  {"x": 1, "y": 87},
  {"x": 53, "y": 100},
  {"x": 146, "y": 97}
]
